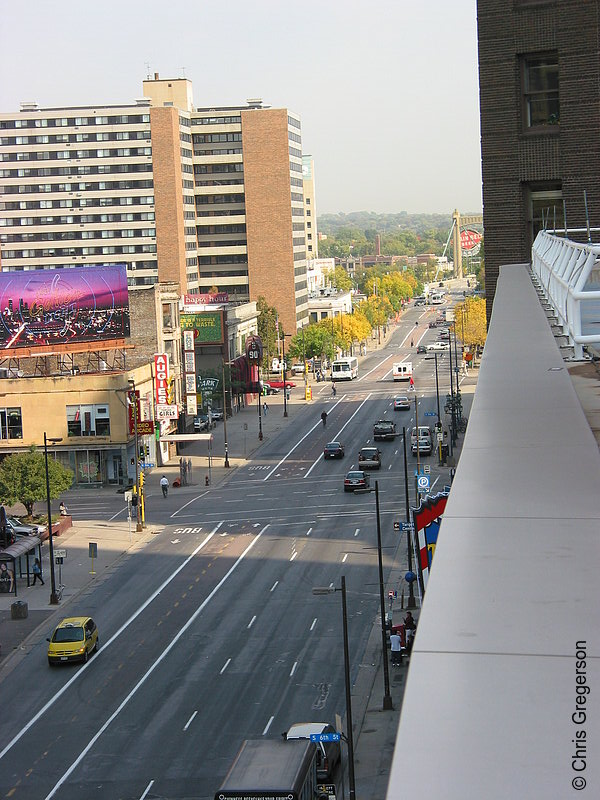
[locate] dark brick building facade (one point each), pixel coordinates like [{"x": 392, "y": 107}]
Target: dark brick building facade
[{"x": 539, "y": 79}]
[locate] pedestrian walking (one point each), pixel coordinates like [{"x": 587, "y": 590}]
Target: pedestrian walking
[
  {"x": 333, "y": 389},
  {"x": 412, "y": 344},
  {"x": 324, "y": 418},
  {"x": 396, "y": 645},
  {"x": 164, "y": 485},
  {"x": 411, "y": 385},
  {"x": 37, "y": 572},
  {"x": 265, "y": 409}
]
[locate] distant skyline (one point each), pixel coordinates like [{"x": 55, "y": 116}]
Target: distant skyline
[{"x": 387, "y": 92}]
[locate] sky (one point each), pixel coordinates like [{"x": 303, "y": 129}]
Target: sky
[{"x": 387, "y": 91}]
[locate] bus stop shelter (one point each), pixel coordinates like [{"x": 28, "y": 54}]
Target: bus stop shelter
[{"x": 18, "y": 556}]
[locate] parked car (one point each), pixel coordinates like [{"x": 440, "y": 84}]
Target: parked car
[
  {"x": 73, "y": 639},
  {"x": 384, "y": 429},
  {"x": 421, "y": 348},
  {"x": 216, "y": 414},
  {"x": 333, "y": 450},
  {"x": 201, "y": 423},
  {"x": 328, "y": 753},
  {"x": 356, "y": 479},
  {"x": 401, "y": 403},
  {"x": 433, "y": 346},
  {"x": 19, "y": 528},
  {"x": 298, "y": 369},
  {"x": 369, "y": 458}
]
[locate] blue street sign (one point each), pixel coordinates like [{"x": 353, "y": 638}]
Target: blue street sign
[
  {"x": 423, "y": 484},
  {"x": 430, "y": 414},
  {"x": 406, "y": 526},
  {"x": 325, "y": 737}
]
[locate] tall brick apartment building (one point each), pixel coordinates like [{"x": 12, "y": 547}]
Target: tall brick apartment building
[
  {"x": 539, "y": 78},
  {"x": 204, "y": 197}
]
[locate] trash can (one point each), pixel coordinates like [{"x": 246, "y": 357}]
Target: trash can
[{"x": 19, "y": 610}]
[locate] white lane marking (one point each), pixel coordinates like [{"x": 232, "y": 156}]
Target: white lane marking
[
  {"x": 356, "y": 532},
  {"x": 274, "y": 586},
  {"x": 435, "y": 481},
  {"x": 147, "y": 674},
  {"x": 147, "y": 789},
  {"x": 114, "y": 516},
  {"x": 293, "y": 668},
  {"x": 225, "y": 665},
  {"x": 294, "y": 554},
  {"x": 189, "y": 722},
  {"x": 314, "y": 622},
  {"x": 252, "y": 621},
  {"x": 310, "y": 469},
  {"x": 308, "y": 532},
  {"x": 193, "y": 500},
  {"x": 345, "y": 557},
  {"x": 264, "y": 733},
  {"x": 299, "y": 442},
  {"x": 115, "y": 636}
]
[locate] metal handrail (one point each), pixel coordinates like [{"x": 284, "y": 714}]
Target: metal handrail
[{"x": 564, "y": 268}]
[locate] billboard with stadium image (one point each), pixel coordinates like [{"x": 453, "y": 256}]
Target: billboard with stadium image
[{"x": 63, "y": 308}]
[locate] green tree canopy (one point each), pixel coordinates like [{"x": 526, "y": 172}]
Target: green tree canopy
[
  {"x": 23, "y": 479},
  {"x": 267, "y": 329}
]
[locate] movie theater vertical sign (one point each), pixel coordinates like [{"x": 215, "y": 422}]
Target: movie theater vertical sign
[{"x": 166, "y": 409}]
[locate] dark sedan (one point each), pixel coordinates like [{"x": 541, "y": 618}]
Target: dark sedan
[
  {"x": 333, "y": 450},
  {"x": 356, "y": 479}
]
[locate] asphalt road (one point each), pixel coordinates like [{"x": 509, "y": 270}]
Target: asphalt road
[{"x": 211, "y": 634}]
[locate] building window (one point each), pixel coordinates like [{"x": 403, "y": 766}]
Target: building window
[
  {"x": 539, "y": 76},
  {"x": 545, "y": 207},
  {"x": 92, "y": 420},
  {"x": 11, "y": 426}
]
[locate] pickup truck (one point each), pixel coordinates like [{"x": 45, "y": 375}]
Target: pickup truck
[{"x": 384, "y": 429}]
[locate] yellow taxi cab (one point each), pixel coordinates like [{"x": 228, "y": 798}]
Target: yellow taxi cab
[{"x": 73, "y": 640}]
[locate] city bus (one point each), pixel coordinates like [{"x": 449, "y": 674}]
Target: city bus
[
  {"x": 273, "y": 769},
  {"x": 344, "y": 369},
  {"x": 402, "y": 371}
]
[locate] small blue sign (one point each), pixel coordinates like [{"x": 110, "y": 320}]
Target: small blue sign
[
  {"x": 430, "y": 414},
  {"x": 406, "y": 526},
  {"x": 325, "y": 737}
]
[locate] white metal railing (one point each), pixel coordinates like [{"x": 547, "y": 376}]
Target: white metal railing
[{"x": 569, "y": 273}]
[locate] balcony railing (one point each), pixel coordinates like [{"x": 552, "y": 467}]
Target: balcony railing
[{"x": 569, "y": 274}]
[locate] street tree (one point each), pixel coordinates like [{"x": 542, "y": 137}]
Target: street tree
[
  {"x": 267, "y": 329},
  {"x": 23, "y": 479},
  {"x": 470, "y": 321}
]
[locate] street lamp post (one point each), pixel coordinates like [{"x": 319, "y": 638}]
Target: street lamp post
[
  {"x": 387, "y": 698},
  {"x": 452, "y": 403},
  {"x": 349, "y": 736},
  {"x": 284, "y": 374},
  {"x": 226, "y": 464},
  {"x": 411, "y": 592},
  {"x": 138, "y": 507},
  {"x": 439, "y": 420},
  {"x": 54, "y": 597}
]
